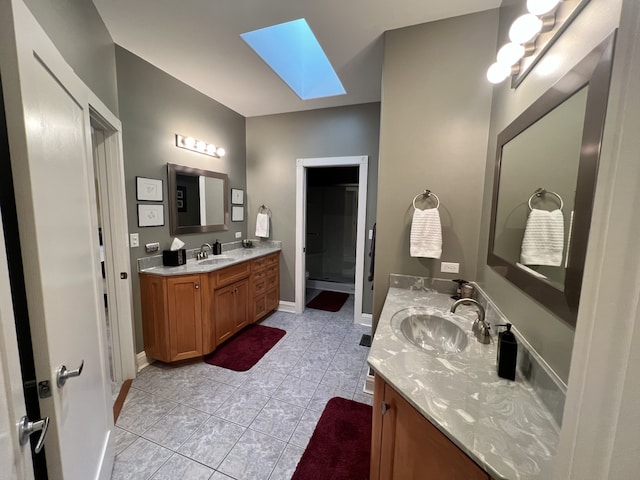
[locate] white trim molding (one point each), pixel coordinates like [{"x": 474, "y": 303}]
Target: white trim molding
[{"x": 361, "y": 161}]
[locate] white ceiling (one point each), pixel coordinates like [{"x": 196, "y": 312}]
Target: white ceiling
[{"x": 198, "y": 42}]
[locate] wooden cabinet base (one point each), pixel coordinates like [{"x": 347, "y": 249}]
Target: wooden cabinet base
[
  {"x": 188, "y": 316},
  {"x": 406, "y": 446}
]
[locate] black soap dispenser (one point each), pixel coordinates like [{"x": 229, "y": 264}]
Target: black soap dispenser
[
  {"x": 217, "y": 247},
  {"x": 507, "y": 353}
]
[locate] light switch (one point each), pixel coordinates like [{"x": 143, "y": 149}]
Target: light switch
[{"x": 134, "y": 240}]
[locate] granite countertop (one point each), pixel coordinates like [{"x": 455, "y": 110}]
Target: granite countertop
[
  {"x": 212, "y": 262},
  {"x": 502, "y": 425}
]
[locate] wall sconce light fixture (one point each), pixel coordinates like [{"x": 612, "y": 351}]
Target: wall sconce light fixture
[
  {"x": 190, "y": 143},
  {"x": 546, "y": 18}
]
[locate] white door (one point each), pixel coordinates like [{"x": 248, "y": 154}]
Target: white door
[
  {"x": 14, "y": 458},
  {"x": 50, "y": 143}
]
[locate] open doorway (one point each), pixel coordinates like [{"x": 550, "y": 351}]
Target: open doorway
[
  {"x": 114, "y": 256},
  {"x": 331, "y": 230},
  {"x": 331, "y": 199}
]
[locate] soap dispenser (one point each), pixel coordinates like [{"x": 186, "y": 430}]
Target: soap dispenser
[
  {"x": 507, "y": 353},
  {"x": 217, "y": 247}
]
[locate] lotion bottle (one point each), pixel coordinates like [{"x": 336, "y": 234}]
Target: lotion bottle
[{"x": 507, "y": 353}]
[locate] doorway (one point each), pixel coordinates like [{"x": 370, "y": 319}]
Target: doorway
[
  {"x": 331, "y": 230},
  {"x": 114, "y": 256},
  {"x": 337, "y": 265}
]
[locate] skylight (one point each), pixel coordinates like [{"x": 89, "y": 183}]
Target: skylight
[{"x": 293, "y": 52}]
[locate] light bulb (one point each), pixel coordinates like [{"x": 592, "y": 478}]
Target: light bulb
[
  {"x": 510, "y": 53},
  {"x": 220, "y": 152},
  {"x": 541, "y": 7},
  {"x": 498, "y": 72},
  {"x": 189, "y": 142},
  {"x": 525, "y": 28},
  {"x": 201, "y": 146},
  {"x": 211, "y": 149}
]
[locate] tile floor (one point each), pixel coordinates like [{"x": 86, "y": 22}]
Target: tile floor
[{"x": 200, "y": 421}]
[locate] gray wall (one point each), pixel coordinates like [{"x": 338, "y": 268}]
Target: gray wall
[
  {"x": 79, "y": 34},
  {"x": 549, "y": 335},
  {"x": 154, "y": 107},
  {"x": 274, "y": 142},
  {"x": 433, "y": 135}
]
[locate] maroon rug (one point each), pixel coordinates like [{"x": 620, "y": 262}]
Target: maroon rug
[
  {"x": 341, "y": 444},
  {"x": 329, "y": 301},
  {"x": 243, "y": 351}
]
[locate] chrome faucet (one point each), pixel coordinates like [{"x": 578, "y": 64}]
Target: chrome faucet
[
  {"x": 202, "y": 253},
  {"x": 480, "y": 328}
]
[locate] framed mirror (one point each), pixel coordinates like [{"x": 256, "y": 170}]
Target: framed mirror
[
  {"x": 546, "y": 168},
  {"x": 198, "y": 200}
]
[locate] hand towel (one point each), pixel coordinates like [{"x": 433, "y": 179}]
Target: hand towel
[
  {"x": 426, "y": 234},
  {"x": 262, "y": 225},
  {"x": 543, "y": 239}
]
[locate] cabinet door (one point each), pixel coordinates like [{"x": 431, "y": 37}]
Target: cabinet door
[
  {"x": 409, "y": 445},
  {"x": 155, "y": 322},
  {"x": 224, "y": 313},
  {"x": 185, "y": 317},
  {"x": 241, "y": 304}
]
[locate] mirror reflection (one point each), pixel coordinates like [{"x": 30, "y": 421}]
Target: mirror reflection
[
  {"x": 544, "y": 184},
  {"x": 197, "y": 200},
  {"x": 532, "y": 231}
]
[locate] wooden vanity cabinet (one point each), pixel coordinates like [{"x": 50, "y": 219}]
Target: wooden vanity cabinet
[
  {"x": 188, "y": 316},
  {"x": 406, "y": 445},
  {"x": 172, "y": 317},
  {"x": 265, "y": 285}
]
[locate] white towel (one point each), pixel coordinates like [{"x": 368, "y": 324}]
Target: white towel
[
  {"x": 543, "y": 239},
  {"x": 426, "y": 234},
  {"x": 262, "y": 225}
]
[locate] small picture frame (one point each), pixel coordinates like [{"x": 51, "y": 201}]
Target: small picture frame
[
  {"x": 237, "y": 196},
  {"x": 237, "y": 213},
  {"x": 150, "y": 215},
  {"x": 181, "y": 198},
  {"x": 148, "y": 189}
]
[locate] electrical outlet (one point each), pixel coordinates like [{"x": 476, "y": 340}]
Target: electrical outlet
[
  {"x": 238, "y": 234},
  {"x": 134, "y": 240},
  {"x": 449, "y": 267},
  {"x": 152, "y": 247}
]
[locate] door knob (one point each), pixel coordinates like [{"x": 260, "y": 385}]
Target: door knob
[
  {"x": 26, "y": 428},
  {"x": 63, "y": 374},
  {"x": 384, "y": 407}
]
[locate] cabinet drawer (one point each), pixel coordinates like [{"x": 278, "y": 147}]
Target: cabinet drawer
[
  {"x": 272, "y": 281},
  {"x": 272, "y": 259},
  {"x": 231, "y": 274},
  {"x": 259, "y": 307},
  {"x": 259, "y": 287},
  {"x": 272, "y": 299},
  {"x": 258, "y": 264},
  {"x": 259, "y": 276},
  {"x": 272, "y": 269}
]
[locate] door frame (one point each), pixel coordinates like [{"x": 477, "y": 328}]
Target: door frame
[
  {"x": 361, "y": 161},
  {"x": 110, "y": 174}
]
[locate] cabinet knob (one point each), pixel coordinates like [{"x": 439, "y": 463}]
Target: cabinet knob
[
  {"x": 197, "y": 286},
  {"x": 384, "y": 407}
]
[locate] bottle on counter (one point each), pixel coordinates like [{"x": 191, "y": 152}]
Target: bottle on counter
[
  {"x": 217, "y": 247},
  {"x": 507, "y": 353}
]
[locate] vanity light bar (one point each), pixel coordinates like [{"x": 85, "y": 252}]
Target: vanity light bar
[
  {"x": 190, "y": 143},
  {"x": 522, "y": 34}
]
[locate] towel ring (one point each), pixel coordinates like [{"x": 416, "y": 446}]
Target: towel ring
[
  {"x": 540, "y": 192},
  {"x": 426, "y": 193},
  {"x": 264, "y": 209}
]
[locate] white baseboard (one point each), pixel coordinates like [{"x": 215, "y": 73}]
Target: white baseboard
[
  {"x": 366, "y": 319},
  {"x": 289, "y": 307},
  {"x": 369, "y": 384},
  {"x": 142, "y": 361}
]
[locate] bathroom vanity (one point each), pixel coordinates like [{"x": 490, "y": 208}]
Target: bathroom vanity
[
  {"x": 187, "y": 311},
  {"x": 450, "y": 414}
]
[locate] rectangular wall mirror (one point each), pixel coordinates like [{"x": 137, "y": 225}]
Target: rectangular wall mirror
[
  {"x": 538, "y": 239},
  {"x": 198, "y": 200}
]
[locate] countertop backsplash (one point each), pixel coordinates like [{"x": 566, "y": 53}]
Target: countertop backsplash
[
  {"x": 156, "y": 260},
  {"x": 549, "y": 388}
]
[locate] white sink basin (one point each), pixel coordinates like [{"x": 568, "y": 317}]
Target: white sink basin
[
  {"x": 429, "y": 332},
  {"x": 215, "y": 260}
]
